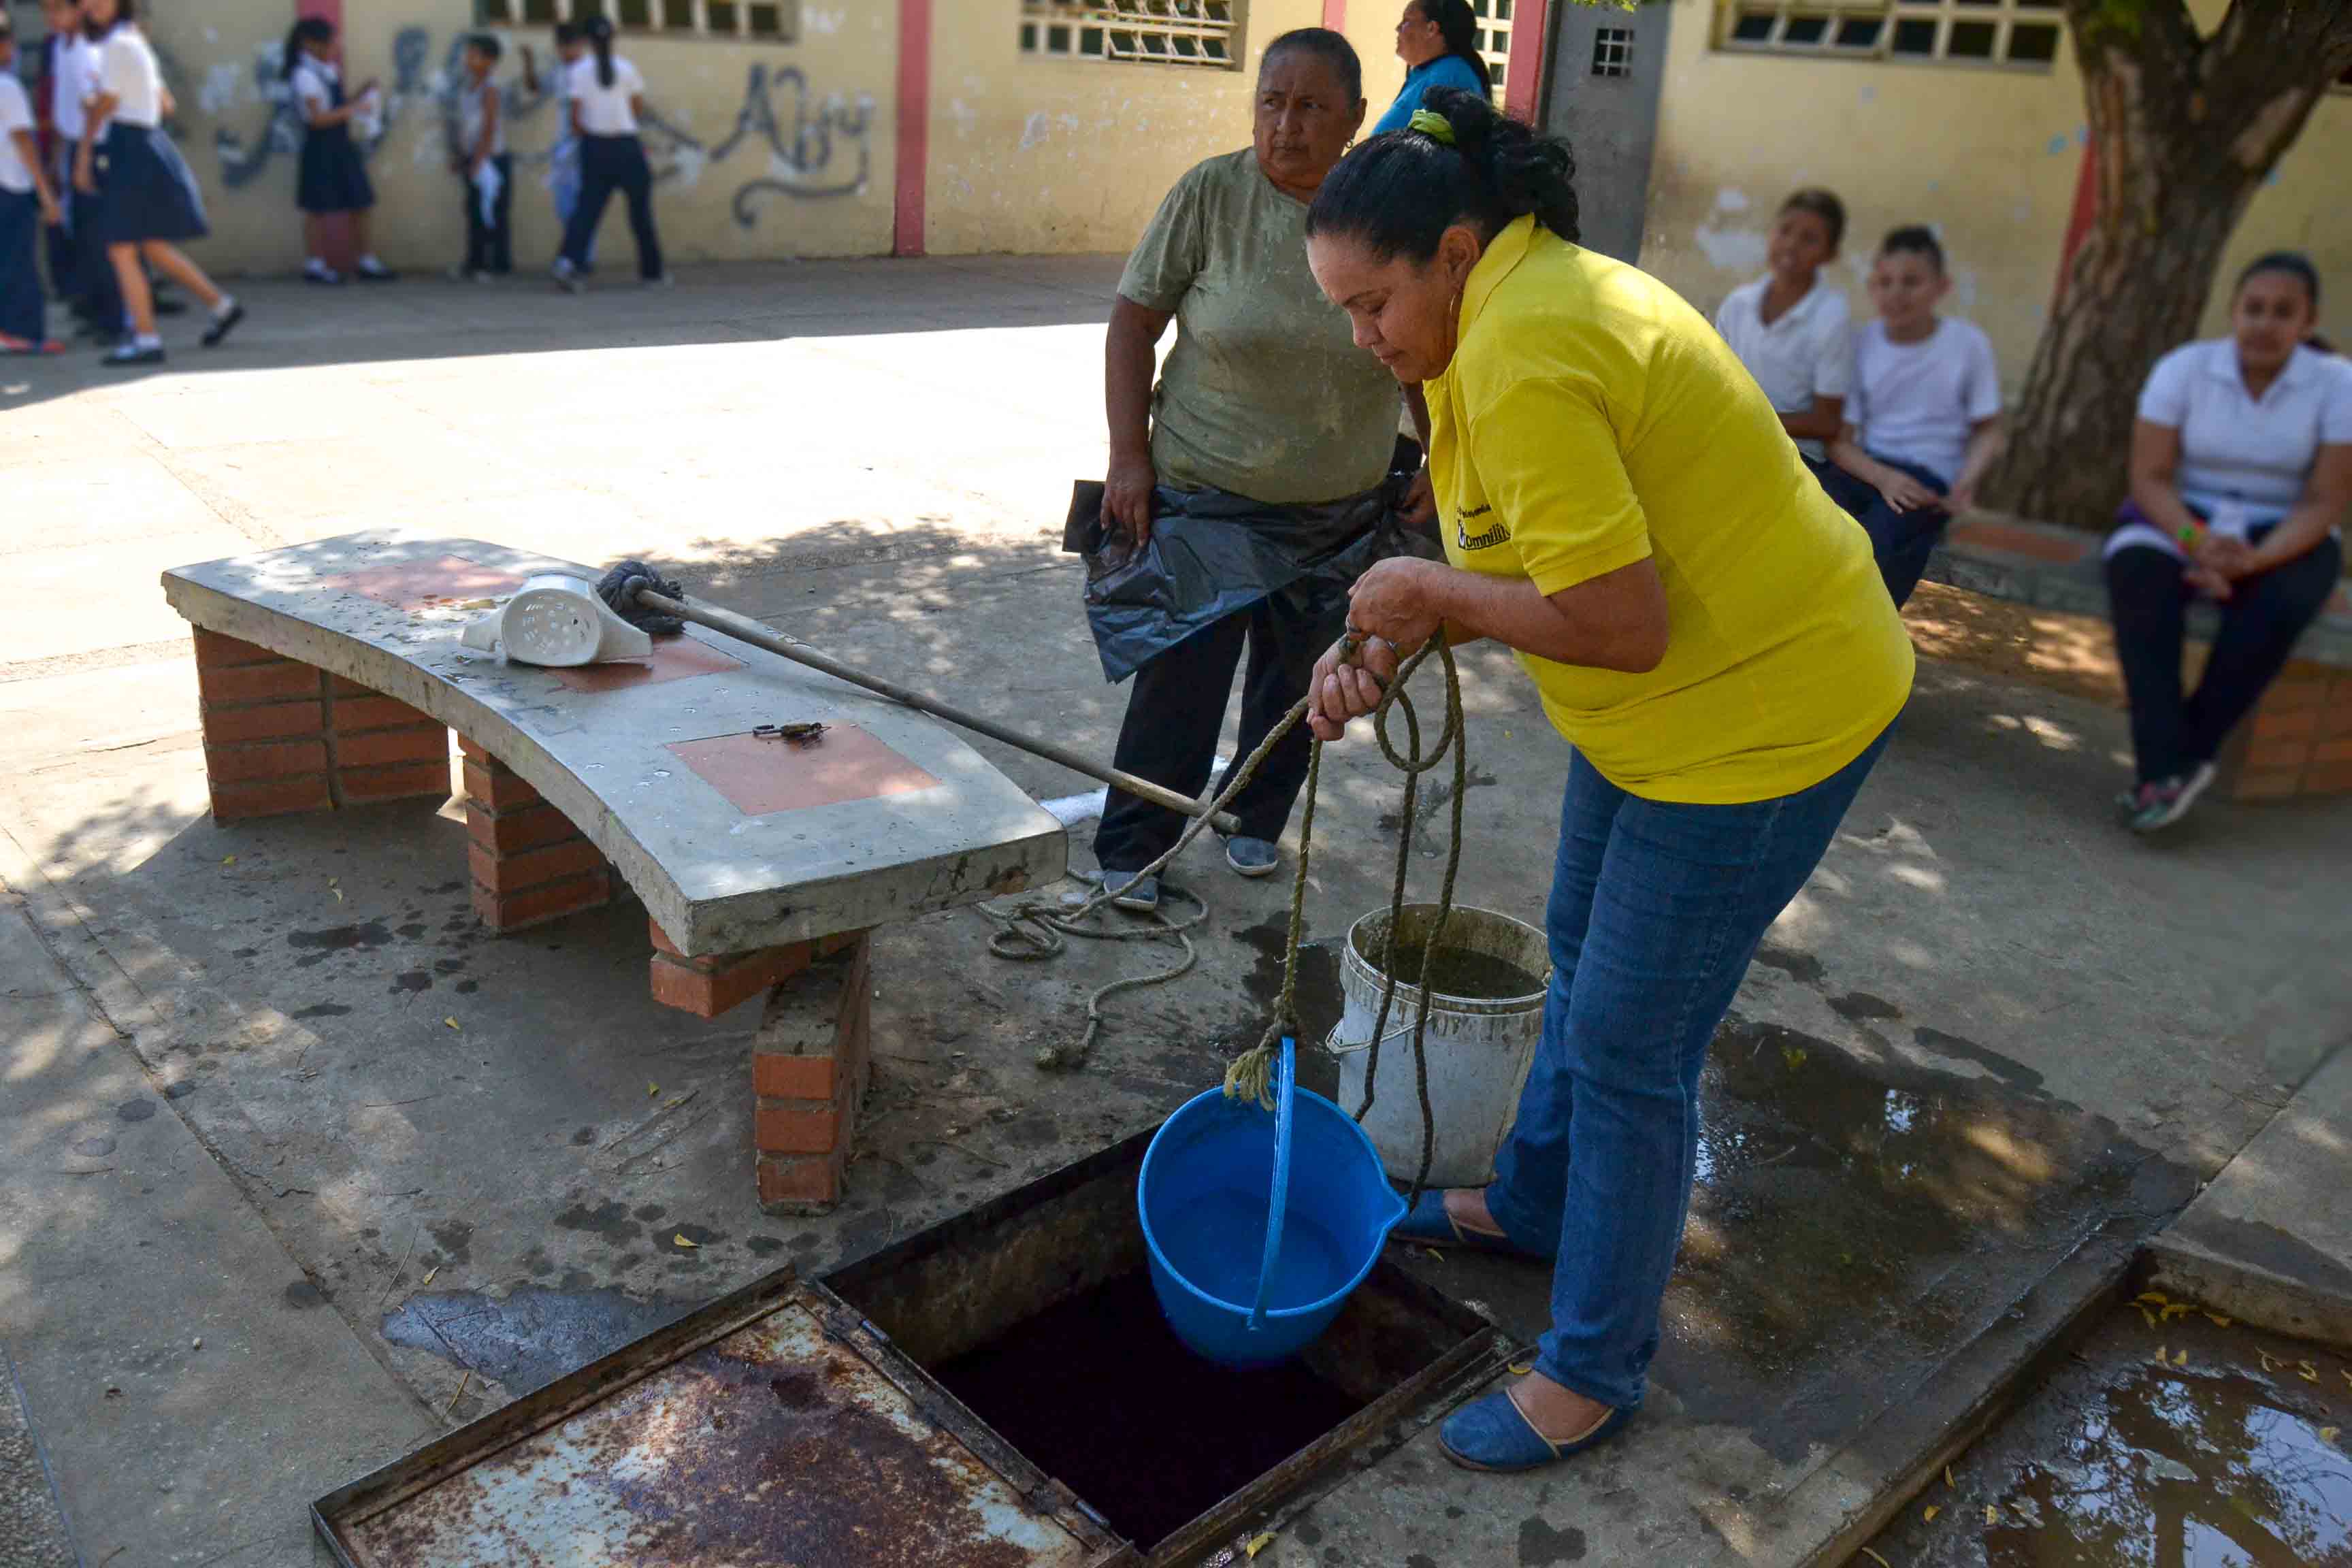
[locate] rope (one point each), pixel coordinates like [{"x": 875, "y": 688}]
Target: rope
[{"x": 1032, "y": 931}]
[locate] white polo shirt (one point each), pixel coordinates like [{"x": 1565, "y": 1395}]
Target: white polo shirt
[
  {"x": 604, "y": 111},
  {"x": 127, "y": 70},
  {"x": 1806, "y": 352},
  {"x": 314, "y": 85},
  {"x": 1918, "y": 403},
  {"x": 15, "y": 114},
  {"x": 74, "y": 69},
  {"x": 2244, "y": 461}
]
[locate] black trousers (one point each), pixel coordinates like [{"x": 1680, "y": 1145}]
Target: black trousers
[
  {"x": 2148, "y": 600},
  {"x": 610, "y": 163},
  {"x": 489, "y": 247},
  {"x": 1177, "y": 707},
  {"x": 1900, "y": 542}
]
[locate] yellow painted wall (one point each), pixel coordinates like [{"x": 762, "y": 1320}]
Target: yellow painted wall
[
  {"x": 1990, "y": 156},
  {"x": 802, "y": 195},
  {"x": 1034, "y": 155}
]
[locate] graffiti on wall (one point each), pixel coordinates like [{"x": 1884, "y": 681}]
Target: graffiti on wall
[
  {"x": 818, "y": 151},
  {"x": 816, "y": 148}
]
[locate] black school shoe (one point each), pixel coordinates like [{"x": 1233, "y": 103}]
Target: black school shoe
[
  {"x": 127, "y": 353},
  {"x": 224, "y": 325}
]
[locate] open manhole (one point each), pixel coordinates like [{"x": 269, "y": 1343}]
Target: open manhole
[{"x": 998, "y": 1392}]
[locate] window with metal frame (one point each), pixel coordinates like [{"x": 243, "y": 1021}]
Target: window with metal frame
[
  {"x": 769, "y": 21},
  {"x": 1612, "y": 51},
  {"x": 1144, "y": 32},
  {"x": 2021, "y": 34},
  {"x": 1494, "y": 37}
]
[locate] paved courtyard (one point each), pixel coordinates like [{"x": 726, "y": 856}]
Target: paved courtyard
[{"x": 297, "y": 1169}]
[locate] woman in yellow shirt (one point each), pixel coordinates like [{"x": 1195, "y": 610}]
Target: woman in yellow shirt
[{"x": 1620, "y": 506}]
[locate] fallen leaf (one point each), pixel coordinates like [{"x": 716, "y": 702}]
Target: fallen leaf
[
  {"x": 2148, "y": 1316},
  {"x": 1927, "y": 1515},
  {"x": 2268, "y": 1362},
  {"x": 1947, "y": 1478},
  {"x": 228, "y": 859},
  {"x": 1521, "y": 1370},
  {"x": 2180, "y": 1360},
  {"x": 679, "y": 1240},
  {"x": 2163, "y": 1357},
  {"x": 451, "y": 1022},
  {"x": 2326, "y": 1434},
  {"x": 652, "y": 1089},
  {"x": 1434, "y": 1254},
  {"x": 333, "y": 880},
  {"x": 1993, "y": 1514},
  {"x": 2219, "y": 1321},
  {"x": 2153, "y": 1298},
  {"x": 2310, "y": 1372},
  {"x": 338, "y": 893},
  {"x": 2175, "y": 1310},
  {"x": 1874, "y": 1557},
  {"x": 429, "y": 1276},
  {"x": 1259, "y": 1544}
]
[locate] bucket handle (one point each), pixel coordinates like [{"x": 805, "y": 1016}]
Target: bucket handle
[
  {"x": 1334, "y": 1046},
  {"x": 1286, "y": 1097}
]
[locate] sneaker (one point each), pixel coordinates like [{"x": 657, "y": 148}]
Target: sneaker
[
  {"x": 319, "y": 272},
  {"x": 1129, "y": 891},
  {"x": 1252, "y": 857},
  {"x": 128, "y": 352},
  {"x": 2160, "y": 803},
  {"x": 664, "y": 282},
  {"x": 567, "y": 277},
  {"x": 368, "y": 269},
  {"x": 224, "y": 325}
]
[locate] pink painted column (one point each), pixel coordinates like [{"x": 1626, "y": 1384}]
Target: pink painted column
[
  {"x": 2085, "y": 212},
  {"x": 1523, "y": 89},
  {"x": 1334, "y": 15},
  {"x": 914, "y": 160}
]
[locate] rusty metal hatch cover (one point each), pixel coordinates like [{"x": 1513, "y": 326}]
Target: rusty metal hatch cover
[{"x": 774, "y": 1427}]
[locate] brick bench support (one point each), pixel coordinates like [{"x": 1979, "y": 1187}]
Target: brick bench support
[
  {"x": 529, "y": 863},
  {"x": 810, "y": 1064},
  {"x": 2296, "y": 741},
  {"x": 283, "y": 736}
]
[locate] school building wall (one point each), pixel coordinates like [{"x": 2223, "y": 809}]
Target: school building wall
[{"x": 1991, "y": 155}]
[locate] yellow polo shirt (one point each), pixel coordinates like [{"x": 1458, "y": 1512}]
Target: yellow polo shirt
[{"x": 1590, "y": 418}]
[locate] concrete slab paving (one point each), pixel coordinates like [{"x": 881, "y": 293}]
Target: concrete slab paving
[
  {"x": 1987, "y": 981},
  {"x": 2270, "y": 1240},
  {"x": 174, "y": 1366}
]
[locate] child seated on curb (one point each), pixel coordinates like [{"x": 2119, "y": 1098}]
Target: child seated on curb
[
  {"x": 1789, "y": 327},
  {"x": 1923, "y": 419}
]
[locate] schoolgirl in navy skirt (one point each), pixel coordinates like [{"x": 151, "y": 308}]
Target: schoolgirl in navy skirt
[
  {"x": 146, "y": 198},
  {"x": 332, "y": 177},
  {"x": 26, "y": 204}
]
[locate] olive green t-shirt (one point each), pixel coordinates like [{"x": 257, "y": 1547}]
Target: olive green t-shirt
[{"x": 1265, "y": 393}]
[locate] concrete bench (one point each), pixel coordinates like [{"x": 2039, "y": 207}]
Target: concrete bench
[
  {"x": 2297, "y": 742},
  {"x": 331, "y": 675}
]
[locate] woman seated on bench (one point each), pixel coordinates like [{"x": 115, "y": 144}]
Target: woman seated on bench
[{"x": 2240, "y": 470}]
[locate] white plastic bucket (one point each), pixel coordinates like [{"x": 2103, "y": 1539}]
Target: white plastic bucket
[{"x": 1479, "y": 1047}]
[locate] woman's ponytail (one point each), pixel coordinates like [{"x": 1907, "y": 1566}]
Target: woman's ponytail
[
  {"x": 308, "y": 30},
  {"x": 599, "y": 31},
  {"x": 1458, "y": 26},
  {"x": 1461, "y": 162}
]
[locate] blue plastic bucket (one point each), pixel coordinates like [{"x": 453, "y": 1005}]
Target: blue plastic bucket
[{"x": 1235, "y": 1287}]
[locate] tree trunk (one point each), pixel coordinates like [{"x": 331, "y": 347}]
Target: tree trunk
[{"x": 2184, "y": 130}]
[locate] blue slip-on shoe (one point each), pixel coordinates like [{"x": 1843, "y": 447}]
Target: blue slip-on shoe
[
  {"x": 1252, "y": 857},
  {"x": 1493, "y": 1434},
  {"x": 1427, "y": 1224},
  {"x": 1133, "y": 891}
]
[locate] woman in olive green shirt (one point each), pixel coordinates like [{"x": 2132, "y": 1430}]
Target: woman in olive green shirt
[{"x": 1262, "y": 452}]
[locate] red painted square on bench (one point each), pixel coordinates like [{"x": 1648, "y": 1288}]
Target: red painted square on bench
[
  {"x": 413, "y": 585},
  {"x": 675, "y": 659},
  {"x": 759, "y": 775}
]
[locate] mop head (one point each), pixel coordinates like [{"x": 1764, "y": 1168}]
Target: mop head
[{"x": 618, "y": 588}]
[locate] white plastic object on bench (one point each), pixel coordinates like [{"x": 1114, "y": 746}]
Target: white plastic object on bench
[{"x": 558, "y": 622}]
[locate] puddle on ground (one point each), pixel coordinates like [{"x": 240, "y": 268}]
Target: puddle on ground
[
  {"x": 1854, "y": 1223},
  {"x": 528, "y": 1338},
  {"x": 2228, "y": 1453}
]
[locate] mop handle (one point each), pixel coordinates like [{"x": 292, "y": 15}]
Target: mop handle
[
  {"x": 1285, "y": 1096},
  {"x": 742, "y": 629}
]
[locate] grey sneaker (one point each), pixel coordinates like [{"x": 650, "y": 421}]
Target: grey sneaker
[
  {"x": 2159, "y": 804},
  {"x": 1252, "y": 857},
  {"x": 1131, "y": 891}
]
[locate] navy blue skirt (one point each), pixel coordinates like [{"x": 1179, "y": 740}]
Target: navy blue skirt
[
  {"x": 333, "y": 179},
  {"x": 144, "y": 188},
  {"x": 23, "y": 312}
]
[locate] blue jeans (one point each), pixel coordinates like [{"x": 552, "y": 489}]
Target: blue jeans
[{"x": 1656, "y": 910}]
